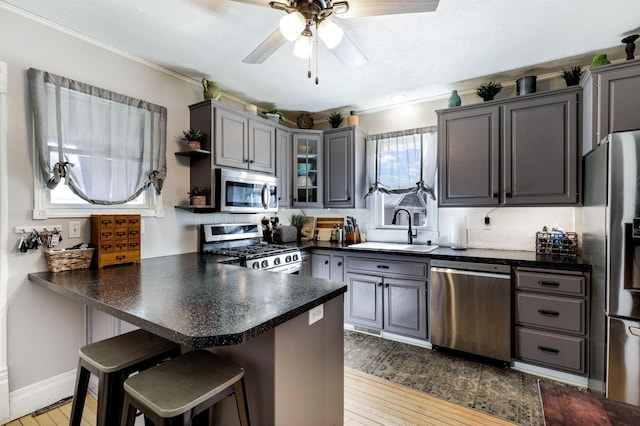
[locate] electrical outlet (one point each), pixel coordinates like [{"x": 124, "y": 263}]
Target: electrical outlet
[
  {"x": 316, "y": 314},
  {"x": 74, "y": 229}
]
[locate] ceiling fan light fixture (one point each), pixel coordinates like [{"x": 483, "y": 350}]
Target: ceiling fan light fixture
[
  {"x": 303, "y": 48},
  {"x": 292, "y": 24},
  {"x": 330, "y": 33}
]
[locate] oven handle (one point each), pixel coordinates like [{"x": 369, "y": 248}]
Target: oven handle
[{"x": 266, "y": 194}]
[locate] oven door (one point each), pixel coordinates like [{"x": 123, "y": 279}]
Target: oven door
[{"x": 245, "y": 192}]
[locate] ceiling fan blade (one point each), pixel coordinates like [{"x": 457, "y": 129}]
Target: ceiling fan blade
[
  {"x": 266, "y": 48},
  {"x": 264, "y": 3},
  {"x": 359, "y": 8},
  {"x": 348, "y": 53}
]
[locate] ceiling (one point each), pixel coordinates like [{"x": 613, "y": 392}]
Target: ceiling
[{"x": 422, "y": 56}]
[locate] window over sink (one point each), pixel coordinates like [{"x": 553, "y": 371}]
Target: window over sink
[{"x": 401, "y": 170}]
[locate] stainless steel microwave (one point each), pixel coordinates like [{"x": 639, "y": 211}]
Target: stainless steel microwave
[{"x": 236, "y": 191}]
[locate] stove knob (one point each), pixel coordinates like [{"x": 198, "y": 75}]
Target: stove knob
[
  {"x": 276, "y": 261},
  {"x": 287, "y": 259},
  {"x": 265, "y": 263},
  {"x": 295, "y": 257},
  {"x": 256, "y": 265}
]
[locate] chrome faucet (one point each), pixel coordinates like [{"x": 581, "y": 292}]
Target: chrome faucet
[{"x": 410, "y": 234}]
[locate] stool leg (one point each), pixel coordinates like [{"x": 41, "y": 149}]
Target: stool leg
[
  {"x": 128, "y": 412},
  {"x": 82, "y": 384},
  {"x": 241, "y": 402},
  {"x": 110, "y": 397}
]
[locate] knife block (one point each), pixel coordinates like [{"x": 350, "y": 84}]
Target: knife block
[{"x": 352, "y": 237}]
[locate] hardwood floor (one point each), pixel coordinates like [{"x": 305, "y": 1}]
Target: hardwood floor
[{"x": 368, "y": 400}]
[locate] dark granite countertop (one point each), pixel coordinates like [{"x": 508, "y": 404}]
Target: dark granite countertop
[
  {"x": 505, "y": 257},
  {"x": 192, "y": 299}
]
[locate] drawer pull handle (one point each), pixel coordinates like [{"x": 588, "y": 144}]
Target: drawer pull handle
[
  {"x": 121, "y": 257},
  {"x": 121, "y": 234},
  {"x": 339, "y": 263},
  {"x": 133, "y": 232},
  {"x": 121, "y": 222},
  {"x": 106, "y": 246},
  {"x": 548, "y": 313},
  {"x": 133, "y": 244},
  {"x": 326, "y": 262},
  {"x": 106, "y": 234},
  {"x": 379, "y": 284},
  {"x": 133, "y": 222},
  {"x": 548, "y": 350},
  {"x": 106, "y": 222},
  {"x": 549, "y": 283},
  {"x": 383, "y": 266}
]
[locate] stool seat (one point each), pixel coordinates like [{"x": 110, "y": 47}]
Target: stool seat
[
  {"x": 113, "y": 360},
  {"x": 183, "y": 388}
]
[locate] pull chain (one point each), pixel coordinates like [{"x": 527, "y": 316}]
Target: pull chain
[{"x": 317, "y": 54}]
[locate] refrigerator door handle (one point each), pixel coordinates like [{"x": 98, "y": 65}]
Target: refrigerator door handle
[{"x": 635, "y": 331}]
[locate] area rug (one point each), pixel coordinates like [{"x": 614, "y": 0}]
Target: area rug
[
  {"x": 565, "y": 406},
  {"x": 489, "y": 388}
]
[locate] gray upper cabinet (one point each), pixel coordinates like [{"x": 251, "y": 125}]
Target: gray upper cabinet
[
  {"x": 541, "y": 150},
  {"x": 240, "y": 140},
  {"x": 611, "y": 101},
  {"x": 468, "y": 156},
  {"x": 284, "y": 162},
  {"x": 307, "y": 169},
  {"x": 516, "y": 152},
  {"x": 344, "y": 159}
]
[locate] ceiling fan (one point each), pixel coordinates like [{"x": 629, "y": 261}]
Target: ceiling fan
[{"x": 307, "y": 20}]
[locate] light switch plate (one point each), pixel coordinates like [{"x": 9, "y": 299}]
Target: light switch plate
[
  {"x": 316, "y": 314},
  {"x": 74, "y": 229}
]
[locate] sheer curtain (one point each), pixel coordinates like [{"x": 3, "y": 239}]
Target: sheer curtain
[
  {"x": 403, "y": 162},
  {"x": 108, "y": 147}
]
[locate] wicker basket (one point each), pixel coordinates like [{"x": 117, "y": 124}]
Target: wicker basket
[{"x": 67, "y": 260}]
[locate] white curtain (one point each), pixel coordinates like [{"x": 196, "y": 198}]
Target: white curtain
[
  {"x": 108, "y": 147},
  {"x": 403, "y": 162}
]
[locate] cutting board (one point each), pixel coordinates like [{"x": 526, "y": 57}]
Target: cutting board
[{"x": 324, "y": 225}]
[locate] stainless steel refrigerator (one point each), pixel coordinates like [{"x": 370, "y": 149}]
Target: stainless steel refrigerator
[{"x": 611, "y": 243}]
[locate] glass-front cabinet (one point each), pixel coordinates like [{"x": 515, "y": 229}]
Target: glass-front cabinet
[{"x": 307, "y": 169}]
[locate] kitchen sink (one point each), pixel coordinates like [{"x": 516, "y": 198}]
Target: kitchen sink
[{"x": 402, "y": 247}]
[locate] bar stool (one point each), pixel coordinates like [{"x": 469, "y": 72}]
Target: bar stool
[
  {"x": 178, "y": 390},
  {"x": 113, "y": 360}
]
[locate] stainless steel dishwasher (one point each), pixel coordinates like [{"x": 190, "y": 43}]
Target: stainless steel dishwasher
[{"x": 470, "y": 308}]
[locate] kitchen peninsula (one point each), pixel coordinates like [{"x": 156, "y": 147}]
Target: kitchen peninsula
[{"x": 294, "y": 369}]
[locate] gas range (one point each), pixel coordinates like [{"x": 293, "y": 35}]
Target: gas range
[{"x": 241, "y": 242}]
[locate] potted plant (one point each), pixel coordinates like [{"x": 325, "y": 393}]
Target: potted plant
[
  {"x": 198, "y": 195},
  {"x": 194, "y": 138},
  {"x": 274, "y": 115},
  {"x": 297, "y": 220},
  {"x": 488, "y": 90},
  {"x": 572, "y": 75},
  {"x": 335, "y": 119}
]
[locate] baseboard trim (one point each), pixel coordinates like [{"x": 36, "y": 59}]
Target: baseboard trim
[
  {"x": 33, "y": 397},
  {"x": 572, "y": 379},
  {"x": 4, "y": 393}
]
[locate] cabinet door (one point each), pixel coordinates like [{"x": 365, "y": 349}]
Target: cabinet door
[
  {"x": 307, "y": 170},
  {"x": 337, "y": 268},
  {"x": 363, "y": 301},
  {"x": 619, "y": 101},
  {"x": 468, "y": 157},
  {"x": 405, "y": 307},
  {"x": 305, "y": 268},
  {"x": 338, "y": 177},
  {"x": 283, "y": 167},
  {"x": 541, "y": 150},
  {"x": 231, "y": 139},
  {"x": 321, "y": 266},
  {"x": 262, "y": 147}
]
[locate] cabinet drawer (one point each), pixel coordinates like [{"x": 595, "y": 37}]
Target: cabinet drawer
[
  {"x": 133, "y": 221},
  {"x": 387, "y": 267},
  {"x": 105, "y": 222},
  {"x": 121, "y": 233},
  {"x": 552, "y": 283},
  {"x": 121, "y": 221},
  {"x": 554, "y": 350},
  {"x": 118, "y": 257},
  {"x": 559, "y": 313}
]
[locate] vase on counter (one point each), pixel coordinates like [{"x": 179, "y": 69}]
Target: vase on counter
[{"x": 454, "y": 99}]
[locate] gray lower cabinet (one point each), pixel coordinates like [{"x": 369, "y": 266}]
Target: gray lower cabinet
[
  {"x": 552, "y": 319},
  {"x": 516, "y": 152},
  {"x": 611, "y": 101},
  {"x": 387, "y": 294},
  {"x": 344, "y": 176},
  {"x": 305, "y": 268},
  {"x": 328, "y": 265}
]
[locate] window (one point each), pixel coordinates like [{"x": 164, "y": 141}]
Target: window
[
  {"x": 107, "y": 149},
  {"x": 402, "y": 170}
]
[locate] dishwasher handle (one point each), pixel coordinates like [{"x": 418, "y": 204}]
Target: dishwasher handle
[{"x": 471, "y": 273}]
